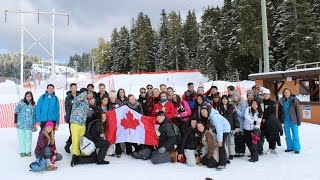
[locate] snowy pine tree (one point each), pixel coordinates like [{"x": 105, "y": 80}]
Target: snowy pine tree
[{"x": 163, "y": 62}]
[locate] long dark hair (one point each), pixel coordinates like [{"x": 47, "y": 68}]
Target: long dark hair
[
  {"x": 25, "y": 99},
  {"x": 229, "y": 106},
  {"x": 118, "y": 94},
  {"x": 259, "y": 109},
  {"x": 202, "y": 97},
  {"x": 177, "y": 104}
]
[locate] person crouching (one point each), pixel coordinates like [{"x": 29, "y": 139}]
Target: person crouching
[
  {"x": 46, "y": 147},
  {"x": 167, "y": 140}
]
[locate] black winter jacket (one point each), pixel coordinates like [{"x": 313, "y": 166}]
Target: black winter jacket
[
  {"x": 273, "y": 130},
  {"x": 269, "y": 111},
  {"x": 98, "y": 97},
  {"x": 95, "y": 132},
  {"x": 144, "y": 103},
  {"x": 136, "y": 107},
  {"x": 190, "y": 140},
  {"x": 167, "y": 136},
  {"x": 231, "y": 115}
]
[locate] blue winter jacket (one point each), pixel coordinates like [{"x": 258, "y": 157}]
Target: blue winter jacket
[
  {"x": 80, "y": 109},
  {"x": 241, "y": 109},
  {"x": 220, "y": 123},
  {"x": 48, "y": 108},
  {"x": 26, "y": 115}
]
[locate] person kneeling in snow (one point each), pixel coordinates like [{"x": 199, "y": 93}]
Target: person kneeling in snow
[
  {"x": 95, "y": 133},
  {"x": 167, "y": 140},
  {"x": 46, "y": 147}
]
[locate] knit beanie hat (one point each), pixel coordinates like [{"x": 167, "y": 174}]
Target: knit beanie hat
[
  {"x": 249, "y": 92},
  {"x": 49, "y": 124}
]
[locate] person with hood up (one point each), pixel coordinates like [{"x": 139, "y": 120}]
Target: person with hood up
[{"x": 222, "y": 127}]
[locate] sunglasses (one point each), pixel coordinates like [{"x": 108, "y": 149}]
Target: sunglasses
[
  {"x": 142, "y": 92},
  {"x": 149, "y": 88}
]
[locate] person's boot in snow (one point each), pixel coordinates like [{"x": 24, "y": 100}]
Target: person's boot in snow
[
  {"x": 51, "y": 168},
  {"x": 252, "y": 160},
  {"x": 22, "y": 154},
  {"x": 103, "y": 162},
  {"x": 220, "y": 168},
  {"x": 74, "y": 160},
  {"x": 288, "y": 150},
  {"x": 297, "y": 152},
  {"x": 67, "y": 148},
  {"x": 231, "y": 157}
]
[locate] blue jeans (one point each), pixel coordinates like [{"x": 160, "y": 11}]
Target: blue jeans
[{"x": 292, "y": 135}]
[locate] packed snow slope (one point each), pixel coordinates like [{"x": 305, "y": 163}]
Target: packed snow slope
[{"x": 283, "y": 166}]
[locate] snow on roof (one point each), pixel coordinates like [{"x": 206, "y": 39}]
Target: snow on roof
[{"x": 306, "y": 70}]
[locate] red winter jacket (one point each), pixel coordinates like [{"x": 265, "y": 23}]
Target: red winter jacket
[
  {"x": 42, "y": 143},
  {"x": 151, "y": 102},
  {"x": 170, "y": 110}
]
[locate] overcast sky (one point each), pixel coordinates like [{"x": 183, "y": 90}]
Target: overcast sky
[{"x": 89, "y": 20}]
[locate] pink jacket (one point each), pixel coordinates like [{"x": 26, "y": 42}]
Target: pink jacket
[{"x": 184, "y": 110}]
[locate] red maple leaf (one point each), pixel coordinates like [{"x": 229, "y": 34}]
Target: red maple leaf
[{"x": 129, "y": 122}]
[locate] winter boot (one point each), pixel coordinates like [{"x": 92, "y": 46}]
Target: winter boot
[
  {"x": 288, "y": 150},
  {"x": 103, "y": 162},
  {"x": 74, "y": 160},
  {"x": 220, "y": 168},
  {"x": 67, "y": 148},
  {"x": 231, "y": 157},
  {"x": 174, "y": 156},
  {"x": 28, "y": 154},
  {"x": 22, "y": 154},
  {"x": 252, "y": 160},
  {"x": 297, "y": 152}
]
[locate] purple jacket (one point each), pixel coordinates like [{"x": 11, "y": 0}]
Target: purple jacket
[{"x": 42, "y": 143}]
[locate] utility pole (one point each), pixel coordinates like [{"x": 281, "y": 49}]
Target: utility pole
[
  {"x": 265, "y": 36},
  {"x": 36, "y": 40}
]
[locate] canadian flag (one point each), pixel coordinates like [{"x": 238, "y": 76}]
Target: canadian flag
[{"x": 127, "y": 125}]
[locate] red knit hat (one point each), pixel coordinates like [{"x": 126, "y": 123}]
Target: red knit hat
[{"x": 49, "y": 124}]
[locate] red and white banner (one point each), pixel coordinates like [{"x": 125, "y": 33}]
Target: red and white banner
[
  {"x": 7, "y": 114},
  {"x": 127, "y": 125}
]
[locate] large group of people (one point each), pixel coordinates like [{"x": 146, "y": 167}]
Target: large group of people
[{"x": 214, "y": 129}]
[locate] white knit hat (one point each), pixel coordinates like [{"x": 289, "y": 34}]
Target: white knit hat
[{"x": 266, "y": 91}]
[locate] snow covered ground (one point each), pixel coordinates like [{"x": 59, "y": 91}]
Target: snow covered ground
[{"x": 276, "y": 167}]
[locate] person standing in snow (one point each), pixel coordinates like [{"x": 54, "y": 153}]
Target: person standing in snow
[
  {"x": 46, "y": 147},
  {"x": 121, "y": 96},
  {"x": 170, "y": 92},
  {"x": 222, "y": 127},
  {"x": 101, "y": 93},
  {"x": 251, "y": 126},
  {"x": 25, "y": 120},
  {"x": 240, "y": 108},
  {"x": 153, "y": 99},
  {"x": 143, "y": 100},
  {"x": 104, "y": 104},
  {"x": 68, "y": 107},
  {"x": 163, "y": 88},
  {"x": 210, "y": 150},
  {"x": 167, "y": 139},
  {"x": 136, "y": 106},
  {"x": 269, "y": 113},
  {"x": 48, "y": 108},
  {"x": 149, "y": 88},
  {"x": 201, "y": 102},
  {"x": 166, "y": 106},
  {"x": 211, "y": 92},
  {"x": 184, "y": 112},
  {"x": 289, "y": 115},
  {"x": 190, "y": 96},
  {"x": 228, "y": 111}
]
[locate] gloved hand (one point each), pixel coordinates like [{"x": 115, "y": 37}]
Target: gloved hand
[{"x": 162, "y": 150}]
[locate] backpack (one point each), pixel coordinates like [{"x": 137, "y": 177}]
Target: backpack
[
  {"x": 39, "y": 165},
  {"x": 87, "y": 146},
  {"x": 177, "y": 133}
]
